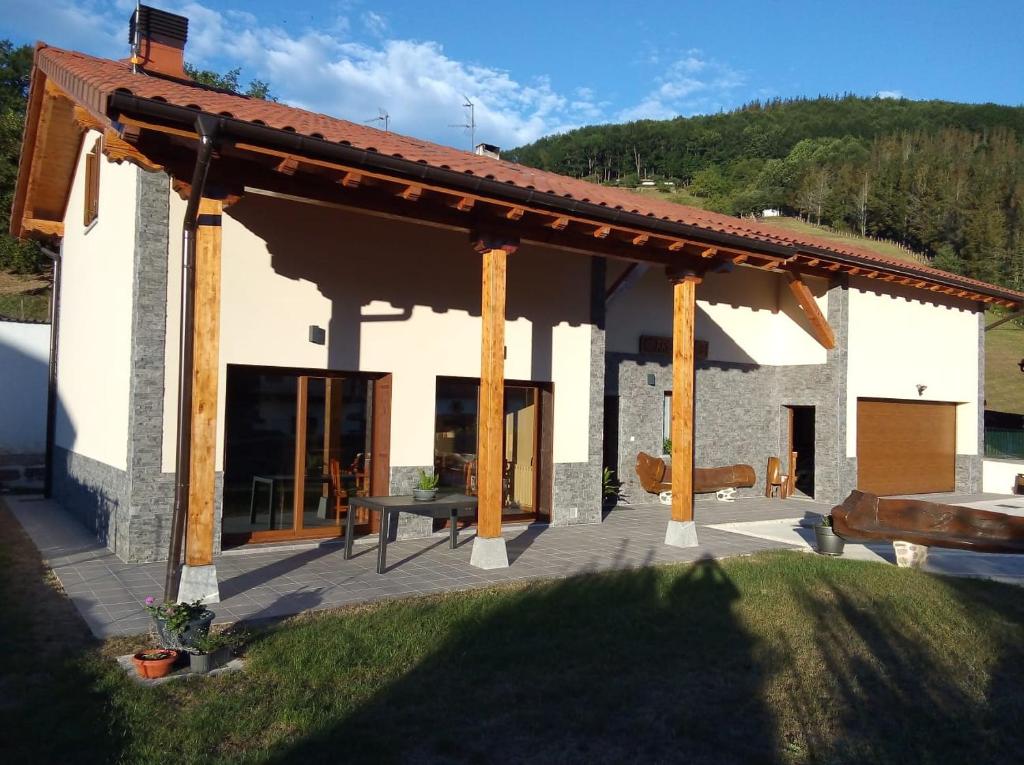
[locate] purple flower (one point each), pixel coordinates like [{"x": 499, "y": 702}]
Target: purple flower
[{"x": 150, "y": 600}]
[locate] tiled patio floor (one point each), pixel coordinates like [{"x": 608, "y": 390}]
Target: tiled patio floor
[{"x": 266, "y": 583}]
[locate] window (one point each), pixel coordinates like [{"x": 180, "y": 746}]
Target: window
[{"x": 92, "y": 183}]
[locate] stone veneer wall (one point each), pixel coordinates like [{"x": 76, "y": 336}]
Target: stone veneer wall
[
  {"x": 969, "y": 466},
  {"x": 403, "y": 479},
  {"x": 739, "y": 411},
  {"x": 576, "y": 486},
  {"x": 130, "y": 510}
]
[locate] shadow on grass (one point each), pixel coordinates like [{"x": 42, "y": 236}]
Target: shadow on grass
[
  {"x": 894, "y": 685},
  {"x": 51, "y": 709},
  {"x": 604, "y": 668}
]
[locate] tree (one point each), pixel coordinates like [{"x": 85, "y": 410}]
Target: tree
[
  {"x": 229, "y": 81},
  {"x": 15, "y": 70}
]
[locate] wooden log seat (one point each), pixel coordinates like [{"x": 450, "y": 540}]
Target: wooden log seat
[
  {"x": 930, "y": 524},
  {"x": 655, "y": 476}
]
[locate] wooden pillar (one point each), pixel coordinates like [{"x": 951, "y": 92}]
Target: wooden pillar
[
  {"x": 490, "y": 417},
  {"x": 684, "y": 287},
  {"x": 206, "y": 373}
]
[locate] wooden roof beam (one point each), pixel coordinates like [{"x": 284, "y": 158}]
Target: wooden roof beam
[
  {"x": 558, "y": 224},
  {"x": 515, "y": 213},
  {"x": 819, "y": 324},
  {"x": 350, "y": 180},
  {"x": 43, "y": 227},
  {"x": 411, "y": 193},
  {"x": 640, "y": 240},
  {"x": 602, "y": 232}
]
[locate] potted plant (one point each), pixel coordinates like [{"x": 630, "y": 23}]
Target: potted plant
[
  {"x": 211, "y": 651},
  {"x": 829, "y": 543},
  {"x": 179, "y": 625},
  {"x": 426, "y": 487},
  {"x": 155, "y": 662},
  {"x": 611, "y": 488}
]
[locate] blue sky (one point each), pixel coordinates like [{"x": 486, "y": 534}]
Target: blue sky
[{"x": 534, "y": 68}]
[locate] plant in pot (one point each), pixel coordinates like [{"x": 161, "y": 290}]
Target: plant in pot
[
  {"x": 211, "y": 651},
  {"x": 179, "y": 625},
  {"x": 611, "y": 488},
  {"x": 426, "y": 487},
  {"x": 829, "y": 543},
  {"x": 154, "y": 662}
]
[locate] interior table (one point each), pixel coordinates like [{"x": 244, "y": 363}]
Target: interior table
[{"x": 450, "y": 506}]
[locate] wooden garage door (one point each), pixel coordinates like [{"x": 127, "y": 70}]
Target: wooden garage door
[{"x": 905, "y": 447}]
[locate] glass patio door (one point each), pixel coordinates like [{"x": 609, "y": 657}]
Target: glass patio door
[
  {"x": 455, "y": 442},
  {"x": 297, "y": 446}
]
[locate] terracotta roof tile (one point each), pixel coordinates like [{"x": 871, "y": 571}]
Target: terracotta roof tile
[{"x": 92, "y": 80}]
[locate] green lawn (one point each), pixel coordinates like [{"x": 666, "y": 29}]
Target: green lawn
[
  {"x": 1004, "y": 383},
  {"x": 778, "y": 658}
]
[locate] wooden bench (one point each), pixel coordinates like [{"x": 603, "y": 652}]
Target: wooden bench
[
  {"x": 655, "y": 476},
  {"x": 913, "y": 524}
]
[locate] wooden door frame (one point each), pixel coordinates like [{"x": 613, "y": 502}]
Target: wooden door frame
[
  {"x": 542, "y": 447},
  {"x": 303, "y": 374}
]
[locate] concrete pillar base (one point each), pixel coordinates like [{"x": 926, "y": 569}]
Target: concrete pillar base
[
  {"x": 199, "y": 583},
  {"x": 489, "y": 552},
  {"x": 681, "y": 534}
]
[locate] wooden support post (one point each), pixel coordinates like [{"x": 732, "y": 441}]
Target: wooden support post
[
  {"x": 489, "y": 547},
  {"x": 820, "y": 327},
  {"x": 684, "y": 288},
  {"x": 206, "y": 372}
]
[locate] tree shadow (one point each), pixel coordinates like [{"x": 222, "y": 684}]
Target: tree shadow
[
  {"x": 51, "y": 706},
  {"x": 518, "y": 681},
  {"x": 885, "y": 691}
]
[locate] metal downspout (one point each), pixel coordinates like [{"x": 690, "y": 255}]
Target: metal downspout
[
  {"x": 206, "y": 128},
  {"x": 51, "y": 383}
]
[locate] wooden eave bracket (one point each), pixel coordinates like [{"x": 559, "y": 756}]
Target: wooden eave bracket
[{"x": 820, "y": 327}]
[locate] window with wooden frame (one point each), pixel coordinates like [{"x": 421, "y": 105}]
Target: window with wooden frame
[{"x": 92, "y": 183}]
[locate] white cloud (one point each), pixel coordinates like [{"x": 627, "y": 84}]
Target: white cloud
[
  {"x": 690, "y": 85},
  {"x": 375, "y": 23},
  {"x": 333, "y": 69},
  {"x": 889, "y": 94}
]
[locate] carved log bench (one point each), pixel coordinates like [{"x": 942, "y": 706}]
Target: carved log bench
[
  {"x": 656, "y": 477},
  {"x": 914, "y": 525}
]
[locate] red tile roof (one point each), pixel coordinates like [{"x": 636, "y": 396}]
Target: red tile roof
[{"x": 91, "y": 80}]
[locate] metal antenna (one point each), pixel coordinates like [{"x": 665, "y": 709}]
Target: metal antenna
[
  {"x": 470, "y": 123},
  {"x": 382, "y": 116}
]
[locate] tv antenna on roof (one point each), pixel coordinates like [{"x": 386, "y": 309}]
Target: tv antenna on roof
[
  {"x": 382, "y": 116},
  {"x": 470, "y": 123}
]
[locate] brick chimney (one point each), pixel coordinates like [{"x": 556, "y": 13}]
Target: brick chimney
[{"x": 158, "y": 41}]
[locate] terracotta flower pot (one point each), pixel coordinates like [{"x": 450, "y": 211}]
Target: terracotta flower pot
[{"x": 152, "y": 668}]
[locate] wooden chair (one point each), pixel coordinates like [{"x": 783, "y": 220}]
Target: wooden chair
[
  {"x": 338, "y": 494},
  {"x": 361, "y": 475},
  {"x": 774, "y": 481}
]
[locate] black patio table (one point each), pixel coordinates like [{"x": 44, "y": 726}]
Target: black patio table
[{"x": 449, "y": 506}]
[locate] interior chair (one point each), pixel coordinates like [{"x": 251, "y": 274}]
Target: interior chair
[
  {"x": 790, "y": 478},
  {"x": 338, "y": 495}
]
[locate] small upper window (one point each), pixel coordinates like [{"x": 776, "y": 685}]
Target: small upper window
[{"x": 92, "y": 183}]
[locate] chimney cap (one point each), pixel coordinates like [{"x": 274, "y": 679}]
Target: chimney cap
[
  {"x": 488, "y": 150},
  {"x": 153, "y": 22}
]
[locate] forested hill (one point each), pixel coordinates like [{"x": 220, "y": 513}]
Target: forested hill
[{"x": 943, "y": 178}]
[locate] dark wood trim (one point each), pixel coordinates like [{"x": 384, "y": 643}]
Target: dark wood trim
[{"x": 299, "y": 484}]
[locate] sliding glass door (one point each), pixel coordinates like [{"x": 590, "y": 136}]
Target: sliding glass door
[
  {"x": 455, "y": 442},
  {"x": 297, "y": 446}
]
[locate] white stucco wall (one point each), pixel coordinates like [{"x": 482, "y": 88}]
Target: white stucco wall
[
  {"x": 95, "y": 327},
  {"x": 898, "y": 341},
  {"x": 24, "y": 367},
  {"x": 999, "y": 476},
  {"x": 747, "y": 316},
  {"x": 394, "y": 298}
]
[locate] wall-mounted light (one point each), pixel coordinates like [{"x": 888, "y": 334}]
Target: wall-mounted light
[
  {"x": 317, "y": 335},
  {"x": 1021, "y": 365},
  {"x": 921, "y": 389},
  {"x": 651, "y": 380}
]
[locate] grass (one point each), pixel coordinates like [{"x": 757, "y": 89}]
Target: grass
[
  {"x": 1004, "y": 383},
  {"x": 24, "y": 297},
  {"x": 778, "y": 658}
]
